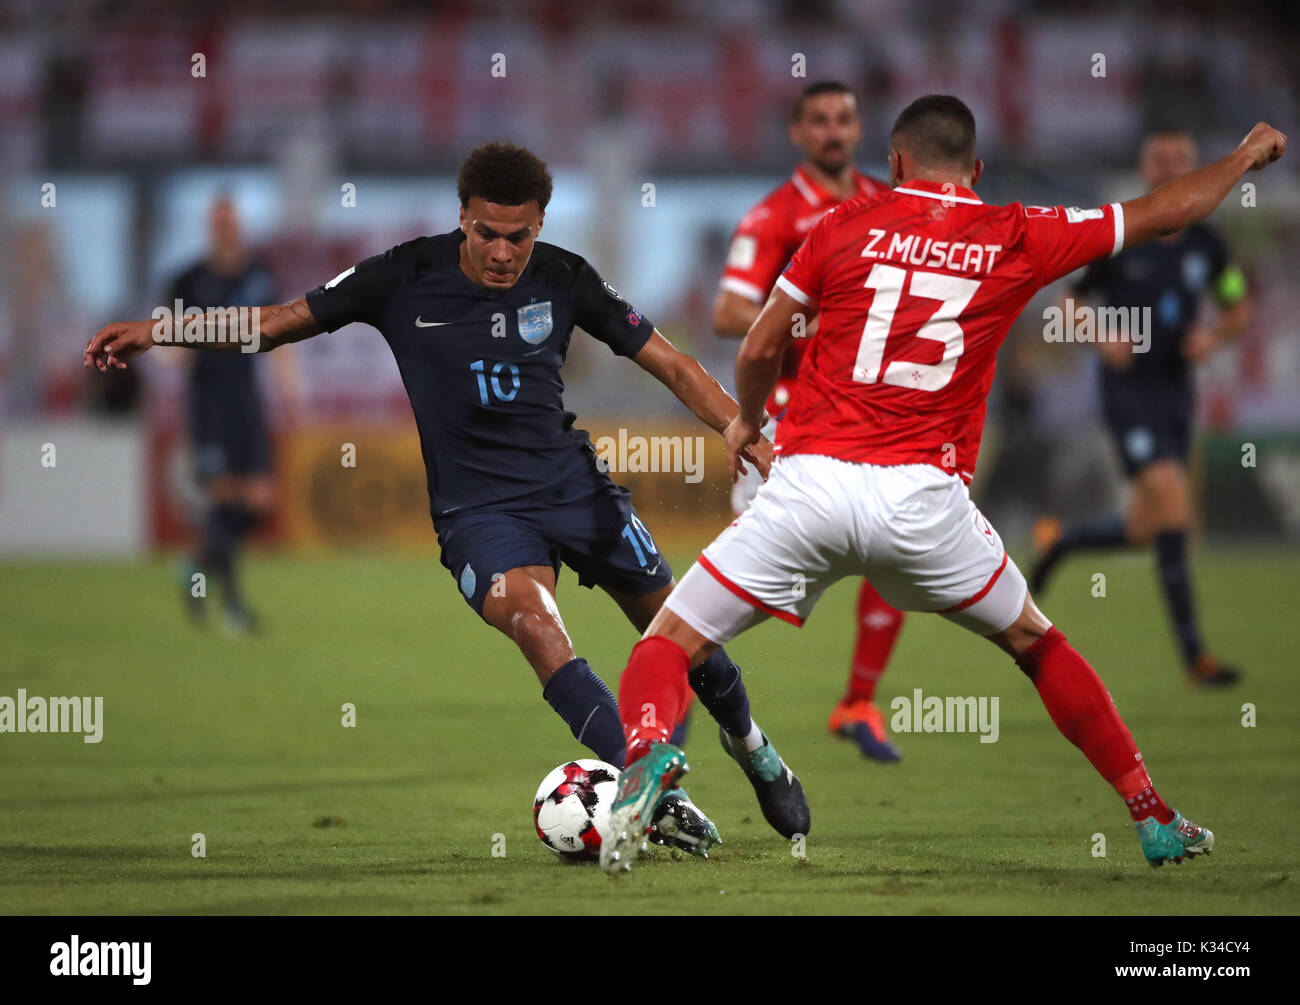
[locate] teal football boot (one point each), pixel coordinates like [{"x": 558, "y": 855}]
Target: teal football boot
[
  {"x": 640, "y": 788},
  {"x": 1176, "y": 840}
]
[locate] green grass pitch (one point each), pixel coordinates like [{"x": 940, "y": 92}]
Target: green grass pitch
[{"x": 242, "y": 742}]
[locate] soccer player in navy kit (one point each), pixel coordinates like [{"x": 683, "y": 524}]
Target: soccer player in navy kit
[
  {"x": 1148, "y": 397},
  {"x": 229, "y": 438},
  {"x": 479, "y": 321}
]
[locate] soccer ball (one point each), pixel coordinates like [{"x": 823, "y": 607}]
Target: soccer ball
[{"x": 571, "y": 808}]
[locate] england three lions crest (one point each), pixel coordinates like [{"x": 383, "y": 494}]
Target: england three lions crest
[{"x": 535, "y": 322}]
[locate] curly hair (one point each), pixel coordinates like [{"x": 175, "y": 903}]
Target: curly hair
[{"x": 505, "y": 174}]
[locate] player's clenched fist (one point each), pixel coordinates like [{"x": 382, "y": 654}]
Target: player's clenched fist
[
  {"x": 117, "y": 342},
  {"x": 1264, "y": 144}
]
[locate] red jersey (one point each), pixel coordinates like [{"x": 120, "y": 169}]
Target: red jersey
[
  {"x": 916, "y": 290},
  {"x": 769, "y": 235}
]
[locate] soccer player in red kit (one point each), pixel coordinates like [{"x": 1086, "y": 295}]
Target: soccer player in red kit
[
  {"x": 826, "y": 125},
  {"x": 916, "y": 290}
]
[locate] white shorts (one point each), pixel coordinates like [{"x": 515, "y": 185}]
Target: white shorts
[
  {"x": 910, "y": 529},
  {"x": 745, "y": 488}
]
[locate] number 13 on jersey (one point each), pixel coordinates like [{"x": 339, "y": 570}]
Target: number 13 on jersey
[{"x": 953, "y": 292}]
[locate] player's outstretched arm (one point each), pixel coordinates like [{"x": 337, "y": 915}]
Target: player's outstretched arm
[
  {"x": 758, "y": 368},
  {"x": 697, "y": 390},
  {"x": 279, "y": 324},
  {"x": 1194, "y": 196}
]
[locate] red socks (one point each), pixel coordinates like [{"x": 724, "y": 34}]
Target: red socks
[
  {"x": 1082, "y": 709},
  {"x": 652, "y": 694},
  {"x": 1142, "y": 801},
  {"x": 878, "y": 627}
]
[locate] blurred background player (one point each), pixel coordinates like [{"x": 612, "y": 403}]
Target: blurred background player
[
  {"x": 229, "y": 437},
  {"x": 826, "y": 125},
  {"x": 1148, "y": 398}
]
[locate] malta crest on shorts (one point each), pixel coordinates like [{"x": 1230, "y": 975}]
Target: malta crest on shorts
[{"x": 535, "y": 322}]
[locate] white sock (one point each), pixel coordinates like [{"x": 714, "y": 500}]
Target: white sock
[{"x": 754, "y": 739}]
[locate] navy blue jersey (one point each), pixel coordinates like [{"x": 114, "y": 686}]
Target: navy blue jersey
[
  {"x": 482, "y": 366},
  {"x": 227, "y": 375},
  {"x": 1169, "y": 277}
]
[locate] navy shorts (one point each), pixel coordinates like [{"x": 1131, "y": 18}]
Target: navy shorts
[
  {"x": 1148, "y": 423},
  {"x": 228, "y": 435},
  {"x": 228, "y": 425},
  {"x": 599, "y": 537}
]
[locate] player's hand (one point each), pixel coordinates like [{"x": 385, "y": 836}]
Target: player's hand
[
  {"x": 114, "y": 344},
  {"x": 740, "y": 437},
  {"x": 1264, "y": 144},
  {"x": 760, "y": 455},
  {"x": 1199, "y": 344}
]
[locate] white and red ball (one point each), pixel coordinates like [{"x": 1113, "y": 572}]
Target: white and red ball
[{"x": 571, "y": 808}]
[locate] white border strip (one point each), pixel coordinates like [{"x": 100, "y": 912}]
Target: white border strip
[
  {"x": 1119, "y": 229},
  {"x": 804, "y": 189},
  {"x": 747, "y": 290},
  {"x": 784, "y": 284},
  {"x": 940, "y": 196}
]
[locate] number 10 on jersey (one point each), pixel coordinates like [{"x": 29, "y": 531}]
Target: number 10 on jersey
[{"x": 499, "y": 370}]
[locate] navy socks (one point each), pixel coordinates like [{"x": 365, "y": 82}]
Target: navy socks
[
  {"x": 224, "y": 530},
  {"x": 1171, "y": 564},
  {"x": 583, "y": 701},
  {"x": 718, "y": 685},
  {"x": 1104, "y": 532}
]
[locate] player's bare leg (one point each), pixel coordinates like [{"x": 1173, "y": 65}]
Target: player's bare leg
[
  {"x": 652, "y": 692},
  {"x": 857, "y": 717},
  {"x": 1159, "y": 513},
  {"x": 1082, "y": 710},
  {"x": 521, "y": 605}
]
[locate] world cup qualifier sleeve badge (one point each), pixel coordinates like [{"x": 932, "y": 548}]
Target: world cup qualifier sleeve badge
[{"x": 535, "y": 322}]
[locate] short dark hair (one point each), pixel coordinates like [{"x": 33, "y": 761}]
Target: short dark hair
[
  {"x": 816, "y": 89},
  {"x": 505, "y": 174},
  {"x": 936, "y": 129}
]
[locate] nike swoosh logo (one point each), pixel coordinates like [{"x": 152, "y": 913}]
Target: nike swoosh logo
[{"x": 430, "y": 324}]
